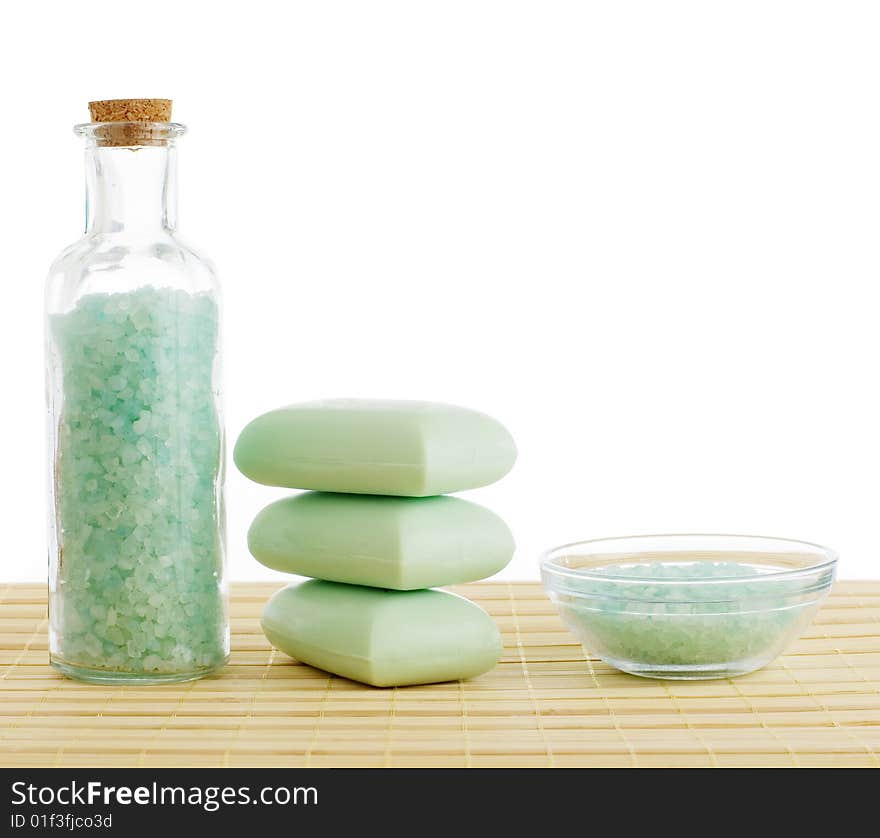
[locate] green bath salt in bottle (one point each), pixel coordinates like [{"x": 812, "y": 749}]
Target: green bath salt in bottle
[{"x": 136, "y": 530}]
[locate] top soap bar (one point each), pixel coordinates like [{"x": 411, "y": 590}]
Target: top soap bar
[{"x": 375, "y": 447}]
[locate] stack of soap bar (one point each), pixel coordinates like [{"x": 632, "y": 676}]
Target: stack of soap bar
[{"x": 378, "y": 532}]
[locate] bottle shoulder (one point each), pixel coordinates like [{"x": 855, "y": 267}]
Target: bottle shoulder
[{"x": 118, "y": 262}]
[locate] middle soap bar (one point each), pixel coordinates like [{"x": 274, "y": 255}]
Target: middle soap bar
[{"x": 384, "y": 542}]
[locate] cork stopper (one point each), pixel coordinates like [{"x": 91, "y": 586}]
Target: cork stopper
[
  {"x": 131, "y": 122},
  {"x": 131, "y": 110}
]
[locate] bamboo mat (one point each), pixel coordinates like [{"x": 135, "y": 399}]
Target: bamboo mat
[{"x": 544, "y": 705}]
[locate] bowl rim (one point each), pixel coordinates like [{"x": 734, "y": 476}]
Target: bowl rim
[{"x": 549, "y": 566}]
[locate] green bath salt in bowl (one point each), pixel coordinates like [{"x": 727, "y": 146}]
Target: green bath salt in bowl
[{"x": 688, "y": 606}]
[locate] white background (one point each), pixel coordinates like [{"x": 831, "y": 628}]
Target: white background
[{"x": 644, "y": 235}]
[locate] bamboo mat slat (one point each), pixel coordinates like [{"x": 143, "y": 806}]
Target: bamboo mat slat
[{"x": 546, "y": 704}]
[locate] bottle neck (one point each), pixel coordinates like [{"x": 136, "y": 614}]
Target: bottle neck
[{"x": 131, "y": 189}]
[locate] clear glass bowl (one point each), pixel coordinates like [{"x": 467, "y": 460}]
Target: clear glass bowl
[{"x": 688, "y": 606}]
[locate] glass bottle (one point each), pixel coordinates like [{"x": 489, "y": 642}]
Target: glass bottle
[{"x": 136, "y": 524}]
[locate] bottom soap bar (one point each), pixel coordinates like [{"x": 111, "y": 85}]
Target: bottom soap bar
[{"x": 384, "y": 638}]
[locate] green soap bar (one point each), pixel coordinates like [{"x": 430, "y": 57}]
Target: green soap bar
[
  {"x": 383, "y": 638},
  {"x": 375, "y": 447},
  {"x": 385, "y": 542}
]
